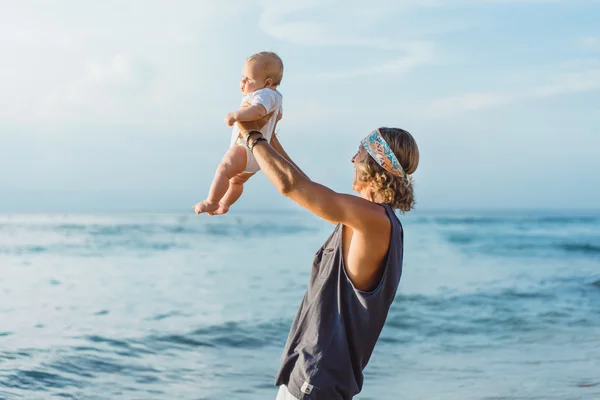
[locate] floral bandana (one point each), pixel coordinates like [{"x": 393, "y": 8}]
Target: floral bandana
[{"x": 381, "y": 152}]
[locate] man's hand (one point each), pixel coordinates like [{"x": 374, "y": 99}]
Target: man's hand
[
  {"x": 230, "y": 119},
  {"x": 246, "y": 126}
]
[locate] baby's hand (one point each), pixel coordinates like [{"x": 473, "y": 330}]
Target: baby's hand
[{"x": 230, "y": 119}]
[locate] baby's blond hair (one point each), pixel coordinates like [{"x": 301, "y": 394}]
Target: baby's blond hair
[{"x": 271, "y": 64}]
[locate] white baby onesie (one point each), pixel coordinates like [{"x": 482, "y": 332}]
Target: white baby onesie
[{"x": 271, "y": 100}]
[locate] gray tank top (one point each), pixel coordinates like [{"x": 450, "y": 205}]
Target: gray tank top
[{"x": 337, "y": 326}]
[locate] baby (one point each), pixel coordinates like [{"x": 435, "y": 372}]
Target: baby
[{"x": 261, "y": 76}]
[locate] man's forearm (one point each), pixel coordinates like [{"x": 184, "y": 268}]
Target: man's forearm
[
  {"x": 284, "y": 175},
  {"x": 277, "y": 146}
]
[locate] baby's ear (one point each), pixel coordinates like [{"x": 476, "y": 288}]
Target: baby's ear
[{"x": 269, "y": 82}]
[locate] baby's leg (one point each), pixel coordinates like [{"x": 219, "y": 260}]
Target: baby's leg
[
  {"x": 236, "y": 187},
  {"x": 233, "y": 163}
]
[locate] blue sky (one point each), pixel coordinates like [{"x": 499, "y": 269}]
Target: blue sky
[{"x": 119, "y": 105}]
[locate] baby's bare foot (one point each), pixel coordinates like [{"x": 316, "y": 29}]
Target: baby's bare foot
[
  {"x": 221, "y": 210},
  {"x": 206, "y": 207}
]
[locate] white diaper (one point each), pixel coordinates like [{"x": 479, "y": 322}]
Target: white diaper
[{"x": 251, "y": 164}]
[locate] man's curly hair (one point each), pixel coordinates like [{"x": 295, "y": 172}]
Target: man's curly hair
[{"x": 396, "y": 191}]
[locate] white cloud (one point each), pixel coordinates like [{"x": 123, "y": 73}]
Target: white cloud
[
  {"x": 577, "y": 82},
  {"x": 377, "y": 24},
  {"x": 416, "y": 55},
  {"x": 468, "y": 102},
  {"x": 94, "y": 64},
  {"x": 149, "y": 64},
  {"x": 590, "y": 43},
  {"x": 326, "y": 23},
  {"x": 99, "y": 90},
  {"x": 359, "y": 24},
  {"x": 350, "y": 25},
  {"x": 563, "y": 84}
]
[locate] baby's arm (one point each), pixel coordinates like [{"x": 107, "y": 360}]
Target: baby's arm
[{"x": 244, "y": 114}]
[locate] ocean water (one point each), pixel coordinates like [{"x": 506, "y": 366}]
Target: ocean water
[{"x": 175, "y": 306}]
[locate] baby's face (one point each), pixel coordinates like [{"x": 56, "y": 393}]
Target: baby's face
[{"x": 253, "y": 77}]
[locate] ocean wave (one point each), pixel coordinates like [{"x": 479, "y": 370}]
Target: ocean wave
[
  {"x": 495, "y": 312},
  {"x": 568, "y": 220},
  {"x": 88, "y": 365},
  {"x": 455, "y": 322},
  {"x": 74, "y": 367},
  {"x": 4, "y": 395},
  {"x": 96, "y": 239},
  {"x": 517, "y": 244},
  {"x": 234, "y": 334},
  {"x": 231, "y": 334},
  {"x": 468, "y": 220},
  {"x": 584, "y": 248},
  {"x": 254, "y": 230},
  {"x": 511, "y": 220},
  {"x": 18, "y": 250},
  {"x": 93, "y": 248},
  {"x": 37, "y": 380},
  {"x": 235, "y": 227}
]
